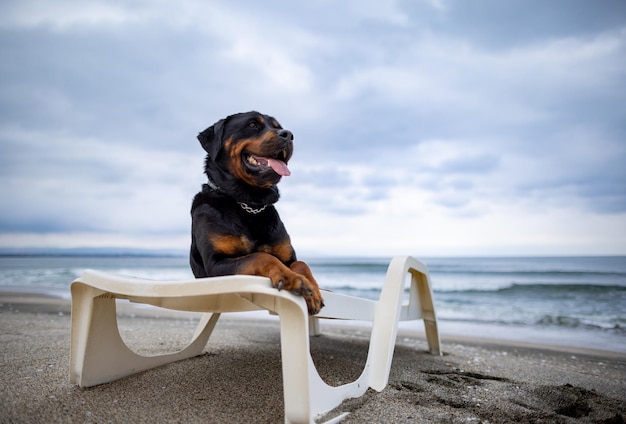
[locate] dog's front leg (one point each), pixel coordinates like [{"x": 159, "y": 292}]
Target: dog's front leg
[
  {"x": 314, "y": 300},
  {"x": 297, "y": 279}
]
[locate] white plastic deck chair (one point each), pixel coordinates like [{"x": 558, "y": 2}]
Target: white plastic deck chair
[{"x": 99, "y": 355}]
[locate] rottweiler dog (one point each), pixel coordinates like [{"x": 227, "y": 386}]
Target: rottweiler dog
[{"x": 235, "y": 227}]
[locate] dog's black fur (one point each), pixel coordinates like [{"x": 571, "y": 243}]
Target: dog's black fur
[{"x": 235, "y": 227}]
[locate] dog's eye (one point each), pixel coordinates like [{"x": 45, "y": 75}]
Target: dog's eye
[{"x": 253, "y": 125}]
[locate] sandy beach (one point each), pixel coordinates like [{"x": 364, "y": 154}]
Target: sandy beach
[{"x": 238, "y": 378}]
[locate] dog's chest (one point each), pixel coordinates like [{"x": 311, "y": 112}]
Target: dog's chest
[
  {"x": 241, "y": 245},
  {"x": 250, "y": 234}
]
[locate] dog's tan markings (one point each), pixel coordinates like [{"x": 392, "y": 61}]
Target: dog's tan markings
[
  {"x": 253, "y": 145},
  {"x": 267, "y": 140},
  {"x": 266, "y": 248},
  {"x": 275, "y": 123},
  {"x": 231, "y": 245},
  {"x": 303, "y": 269},
  {"x": 228, "y": 143},
  {"x": 283, "y": 251},
  {"x": 235, "y": 151},
  {"x": 264, "y": 265}
]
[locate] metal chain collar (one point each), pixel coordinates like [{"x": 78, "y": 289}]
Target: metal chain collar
[
  {"x": 248, "y": 209},
  {"x": 243, "y": 205}
]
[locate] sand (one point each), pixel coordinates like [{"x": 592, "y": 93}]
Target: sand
[{"x": 238, "y": 378}]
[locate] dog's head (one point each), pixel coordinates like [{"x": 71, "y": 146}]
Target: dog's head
[{"x": 250, "y": 147}]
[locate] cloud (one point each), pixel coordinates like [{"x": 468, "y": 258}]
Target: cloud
[
  {"x": 418, "y": 118},
  {"x": 499, "y": 26},
  {"x": 62, "y": 15},
  {"x": 90, "y": 185}
]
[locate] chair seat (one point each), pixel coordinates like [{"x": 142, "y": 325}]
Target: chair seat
[{"x": 99, "y": 355}]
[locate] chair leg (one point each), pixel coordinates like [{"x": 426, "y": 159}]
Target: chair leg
[
  {"x": 314, "y": 326},
  {"x": 99, "y": 354},
  {"x": 387, "y": 315},
  {"x": 305, "y": 393},
  {"x": 205, "y": 328},
  {"x": 421, "y": 305},
  {"x": 385, "y": 325},
  {"x": 422, "y": 281},
  {"x": 294, "y": 342}
]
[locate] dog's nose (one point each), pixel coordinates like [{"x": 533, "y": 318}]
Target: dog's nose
[{"x": 287, "y": 135}]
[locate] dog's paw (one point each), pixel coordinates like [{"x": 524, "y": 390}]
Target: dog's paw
[
  {"x": 301, "y": 286},
  {"x": 314, "y": 302}
]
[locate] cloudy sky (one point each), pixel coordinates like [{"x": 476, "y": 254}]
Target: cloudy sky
[{"x": 429, "y": 127}]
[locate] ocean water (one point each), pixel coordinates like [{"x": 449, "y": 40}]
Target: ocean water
[{"x": 569, "y": 301}]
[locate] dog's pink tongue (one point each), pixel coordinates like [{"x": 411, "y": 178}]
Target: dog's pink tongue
[{"x": 279, "y": 167}]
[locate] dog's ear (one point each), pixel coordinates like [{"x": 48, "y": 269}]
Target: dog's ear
[{"x": 211, "y": 138}]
